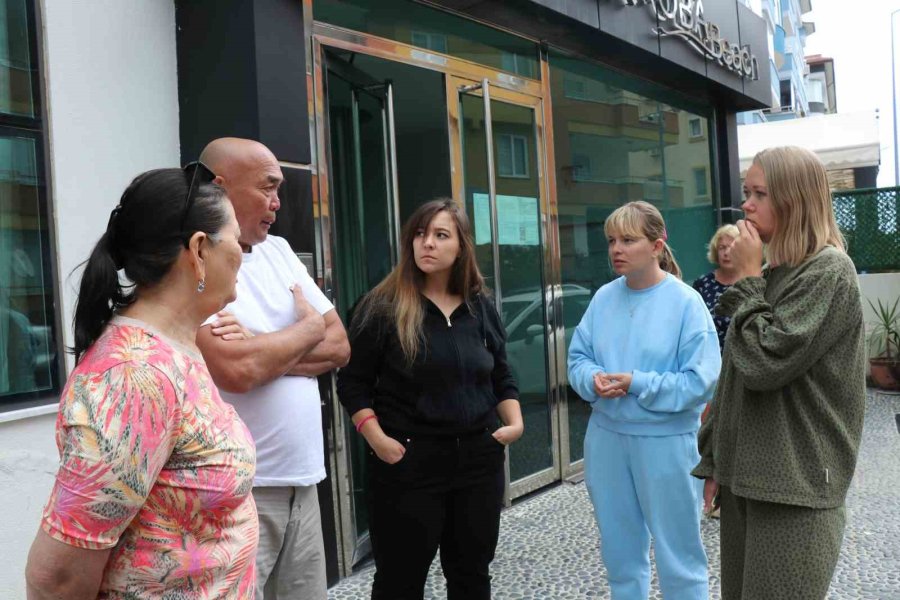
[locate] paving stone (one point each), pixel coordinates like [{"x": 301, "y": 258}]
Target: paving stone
[{"x": 550, "y": 550}]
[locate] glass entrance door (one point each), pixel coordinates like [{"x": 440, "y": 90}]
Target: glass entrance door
[
  {"x": 386, "y": 153},
  {"x": 363, "y": 199},
  {"x": 363, "y": 175},
  {"x": 499, "y": 146}
]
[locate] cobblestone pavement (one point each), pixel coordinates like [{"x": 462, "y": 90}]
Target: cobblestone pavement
[{"x": 549, "y": 547}]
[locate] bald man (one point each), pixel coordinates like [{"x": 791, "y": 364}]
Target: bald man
[{"x": 270, "y": 377}]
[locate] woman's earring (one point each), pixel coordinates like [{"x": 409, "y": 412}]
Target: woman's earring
[{"x": 201, "y": 286}]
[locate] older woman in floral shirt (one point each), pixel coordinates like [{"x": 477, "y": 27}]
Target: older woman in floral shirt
[{"x": 152, "y": 498}]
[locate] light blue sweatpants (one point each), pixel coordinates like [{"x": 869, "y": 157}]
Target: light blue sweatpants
[{"x": 641, "y": 486}]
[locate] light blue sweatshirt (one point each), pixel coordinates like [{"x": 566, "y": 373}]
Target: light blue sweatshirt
[{"x": 665, "y": 337}]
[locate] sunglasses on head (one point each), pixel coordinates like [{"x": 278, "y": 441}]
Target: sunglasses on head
[{"x": 200, "y": 175}]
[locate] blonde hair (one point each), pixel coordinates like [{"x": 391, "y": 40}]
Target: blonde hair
[
  {"x": 397, "y": 296},
  {"x": 642, "y": 219},
  {"x": 801, "y": 199},
  {"x": 728, "y": 230}
]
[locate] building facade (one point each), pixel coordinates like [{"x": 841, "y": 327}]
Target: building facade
[
  {"x": 539, "y": 117},
  {"x": 820, "y": 85},
  {"x": 788, "y": 25},
  {"x": 802, "y": 87}
]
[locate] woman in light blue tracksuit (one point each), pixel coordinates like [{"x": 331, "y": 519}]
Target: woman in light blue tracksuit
[{"x": 646, "y": 357}]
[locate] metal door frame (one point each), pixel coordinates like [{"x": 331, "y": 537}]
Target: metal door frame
[{"x": 455, "y": 87}]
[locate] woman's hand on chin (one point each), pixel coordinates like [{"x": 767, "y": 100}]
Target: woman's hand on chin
[{"x": 747, "y": 251}]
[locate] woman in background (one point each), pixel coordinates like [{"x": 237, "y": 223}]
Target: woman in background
[
  {"x": 721, "y": 278},
  {"x": 714, "y": 283}
]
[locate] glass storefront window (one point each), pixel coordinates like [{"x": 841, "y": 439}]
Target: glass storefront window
[
  {"x": 689, "y": 205},
  {"x": 28, "y": 350},
  {"x": 619, "y": 139},
  {"x": 435, "y": 30},
  {"x": 16, "y": 60},
  {"x": 27, "y": 340}
]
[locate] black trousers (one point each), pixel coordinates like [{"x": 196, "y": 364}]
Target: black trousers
[{"x": 446, "y": 492}]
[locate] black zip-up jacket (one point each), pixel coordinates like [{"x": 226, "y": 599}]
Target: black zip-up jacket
[{"x": 455, "y": 383}]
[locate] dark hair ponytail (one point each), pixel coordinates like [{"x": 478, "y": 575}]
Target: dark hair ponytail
[
  {"x": 98, "y": 296},
  {"x": 144, "y": 238}
]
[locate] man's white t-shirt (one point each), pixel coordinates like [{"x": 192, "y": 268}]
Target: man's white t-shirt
[{"x": 284, "y": 416}]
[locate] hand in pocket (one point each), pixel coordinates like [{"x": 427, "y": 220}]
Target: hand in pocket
[{"x": 389, "y": 450}]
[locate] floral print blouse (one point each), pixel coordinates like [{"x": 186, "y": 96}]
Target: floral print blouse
[
  {"x": 155, "y": 466},
  {"x": 710, "y": 288}
]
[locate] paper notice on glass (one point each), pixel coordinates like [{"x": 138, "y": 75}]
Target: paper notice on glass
[
  {"x": 518, "y": 222},
  {"x": 482, "y": 218}
]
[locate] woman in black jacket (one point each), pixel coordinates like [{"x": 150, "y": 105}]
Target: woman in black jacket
[{"x": 426, "y": 382}]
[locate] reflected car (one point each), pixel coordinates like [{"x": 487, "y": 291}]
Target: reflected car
[
  {"x": 44, "y": 353},
  {"x": 526, "y": 330}
]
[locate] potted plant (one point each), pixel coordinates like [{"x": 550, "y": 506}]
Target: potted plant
[{"x": 884, "y": 345}]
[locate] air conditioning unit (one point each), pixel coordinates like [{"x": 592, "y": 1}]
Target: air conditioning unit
[
  {"x": 653, "y": 117},
  {"x": 654, "y": 152}
]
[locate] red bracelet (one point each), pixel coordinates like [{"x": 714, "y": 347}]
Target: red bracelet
[{"x": 359, "y": 425}]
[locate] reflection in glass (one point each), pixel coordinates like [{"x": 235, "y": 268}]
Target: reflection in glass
[
  {"x": 361, "y": 190},
  {"x": 512, "y": 155},
  {"x": 27, "y": 347},
  {"x": 15, "y": 60},
  {"x": 520, "y": 256},
  {"x": 430, "y": 29},
  {"x": 617, "y": 140},
  {"x": 690, "y": 209},
  {"x": 360, "y": 187},
  {"x": 360, "y": 196},
  {"x": 475, "y": 176}
]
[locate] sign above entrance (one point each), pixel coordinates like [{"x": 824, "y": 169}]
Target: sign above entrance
[{"x": 685, "y": 19}]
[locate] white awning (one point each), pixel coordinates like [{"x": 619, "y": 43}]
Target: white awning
[{"x": 841, "y": 141}]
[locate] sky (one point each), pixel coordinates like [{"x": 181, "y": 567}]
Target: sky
[{"x": 857, "y": 35}]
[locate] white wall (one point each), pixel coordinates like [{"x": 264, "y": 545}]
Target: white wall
[
  {"x": 113, "y": 91},
  {"x": 875, "y": 286},
  {"x": 28, "y": 461},
  {"x": 112, "y": 88}
]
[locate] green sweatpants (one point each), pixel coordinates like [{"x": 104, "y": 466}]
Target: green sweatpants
[{"x": 777, "y": 551}]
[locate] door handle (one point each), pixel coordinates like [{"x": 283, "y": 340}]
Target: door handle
[
  {"x": 492, "y": 190},
  {"x": 485, "y": 87},
  {"x": 394, "y": 208}
]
